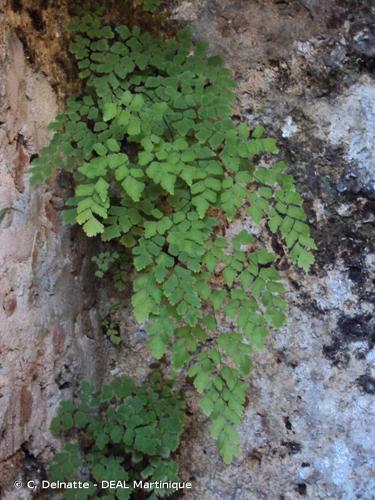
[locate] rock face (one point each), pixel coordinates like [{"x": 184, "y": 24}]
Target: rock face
[
  {"x": 48, "y": 329},
  {"x": 305, "y": 70}
]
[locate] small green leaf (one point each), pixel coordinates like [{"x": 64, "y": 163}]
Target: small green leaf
[
  {"x": 113, "y": 145},
  {"x": 258, "y": 132},
  {"x": 134, "y": 127},
  {"x": 229, "y": 275},
  {"x": 109, "y": 111},
  {"x": 100, "y": 149},
  {"x": 101, "y": 187},
  {"x": 274, "y": 223},
  {"x": 93, "y": 227},
  {"x": 133, "y": 188},
  {"x": 305, "y": 260}
]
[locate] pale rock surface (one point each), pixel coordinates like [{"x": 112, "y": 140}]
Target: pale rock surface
[
  {"x": 308, "y": 429},
  {"x": 48, "y": 339}
]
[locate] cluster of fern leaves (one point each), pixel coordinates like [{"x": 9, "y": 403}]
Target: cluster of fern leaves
[
  {"x": 126, "y": 433},
  {"x": 148, "y": 5},
  {"x": 160, "y": 168}
]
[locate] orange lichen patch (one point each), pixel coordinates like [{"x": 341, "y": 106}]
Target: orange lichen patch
[
  {"x": 21, "y": 162},
  {"x": 9, "y": 303},
  {"x": 52, "y": 216},
  {"x": 26, "y": 405},
  {"x": 58, "y": 339}
]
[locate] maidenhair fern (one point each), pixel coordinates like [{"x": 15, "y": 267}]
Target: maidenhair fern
[
  {"x": 125, "y": 432},
  {"x": 111, "y": 323},
  {"x": 160, "y": 168},
  {"x": 148, "y": 5}
]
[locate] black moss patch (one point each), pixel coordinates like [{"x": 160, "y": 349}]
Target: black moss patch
[
  {"x": 350, "y": 329},
  {"x": 292, "y": 446},
  {"x": 301, "y": 489},
  {"x": 16, "y": 5},
  {"x": 357, "y": 328},
  {"x": 37, "y": 20},
  {"x": 337, "y": 353},
  {"x": 366, "y": 383}
]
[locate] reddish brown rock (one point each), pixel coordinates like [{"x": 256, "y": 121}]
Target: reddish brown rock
[{"x": 9, "y": 303}]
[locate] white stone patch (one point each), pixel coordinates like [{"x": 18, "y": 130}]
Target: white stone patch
[
  {"x": 336, "y": 464},
  {"x": 352, "y": 123},
  {"x": 342, "y": 463},
  {"x": 289, "y": 128},
  {"x": 371, "y": 358},
  {"x": 371, "y": 367},
  {"x": 319, "y": 210},
  {"x": 186, "y": 11},
  {"x": 338, "y": 291},
  {"x": 370, "y": 261},
  {"x": 345, "y": 209},
  {"x": 363, "y": 436},
  {"x": 305, "y": 49}
]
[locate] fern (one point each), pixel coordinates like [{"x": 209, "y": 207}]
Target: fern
[
  {"x": 149, "y": 5},
  {"x": 125, "y": 432},
  {"x": 111, "y": 323},
  {"x": 160, "y": 167}
]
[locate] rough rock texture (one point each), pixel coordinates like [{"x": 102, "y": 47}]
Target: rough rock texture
[
  {"x": 47, "y": 324},
  {"x": 305, "y": 69}
]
